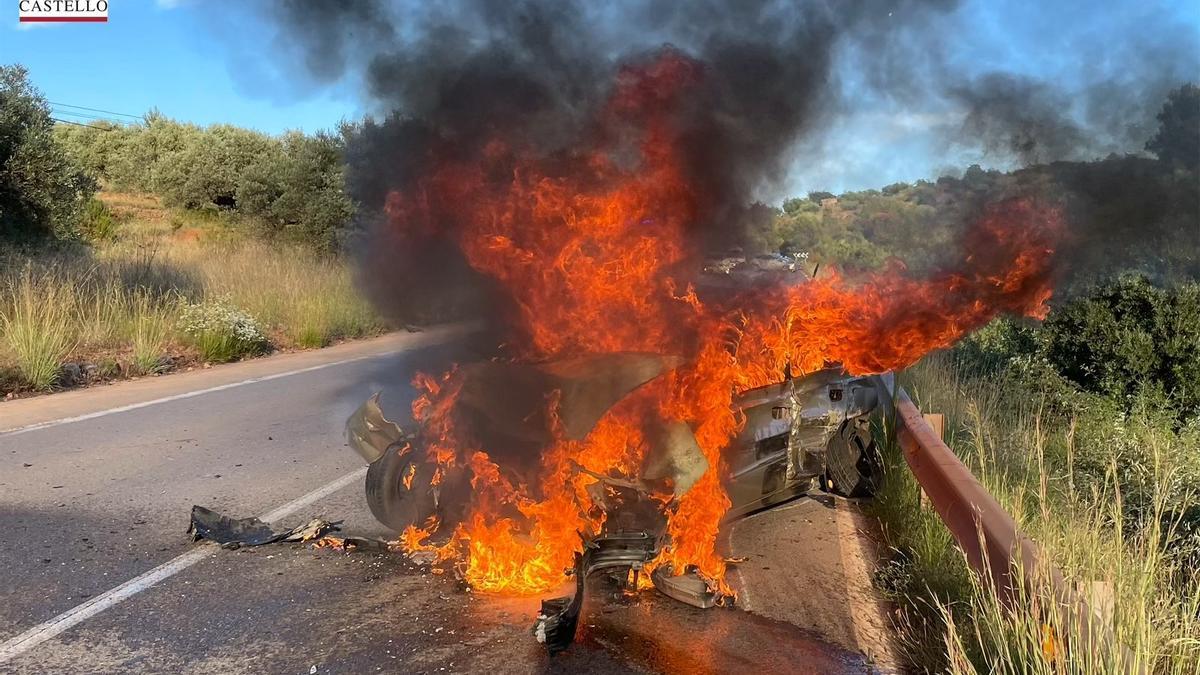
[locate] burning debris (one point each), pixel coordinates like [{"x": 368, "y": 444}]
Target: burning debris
[{"x": 796, "y": 434}]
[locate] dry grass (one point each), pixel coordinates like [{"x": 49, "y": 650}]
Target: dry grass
[
  {"x": 36, "y": 326},
  {"x": 1086, "y": 522},
  {"x": 304, "y": 300},
  {"x": 153, "y": 325},
  {"x": 122, "y": 299}
]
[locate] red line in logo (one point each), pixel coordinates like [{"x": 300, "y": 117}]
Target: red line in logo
[{"x": 64, "y": 19}]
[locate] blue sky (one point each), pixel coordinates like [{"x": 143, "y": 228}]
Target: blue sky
[
  {"x": 177, "y": 56},
  {"x": 207, "y": 62}
]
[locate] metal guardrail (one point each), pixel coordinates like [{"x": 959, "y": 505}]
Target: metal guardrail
[{"x": 1011, "y": 562}]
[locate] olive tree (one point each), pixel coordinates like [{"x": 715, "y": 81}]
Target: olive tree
[{"x": 42, "y": 189}]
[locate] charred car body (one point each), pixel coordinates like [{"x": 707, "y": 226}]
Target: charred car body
[{"x": 799, "y": 434}]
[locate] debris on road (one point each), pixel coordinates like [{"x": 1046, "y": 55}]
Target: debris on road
[
  {"x": 688, "y": 588},
  {"x": 349, "y": 544},
  {"x": 232, "y": 533},
  {"x": 556, "y": 622}
]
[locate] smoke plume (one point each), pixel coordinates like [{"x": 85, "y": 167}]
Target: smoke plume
[
  {"x": 450, "y": 77},
  {"x": 445, "y": 78}
]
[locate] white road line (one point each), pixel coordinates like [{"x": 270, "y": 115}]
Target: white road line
[
  {"x": 190, "y": 394},
  {"x": 33, "y": 637},
  {"x": 320, "y": 493}
]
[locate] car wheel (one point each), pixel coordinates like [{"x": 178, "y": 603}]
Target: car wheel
[
  {"x": 398, "y": 488},
  {"x": 852, "y": 467}
]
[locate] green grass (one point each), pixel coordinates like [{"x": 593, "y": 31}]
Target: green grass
[
  {"x": 221, "y": 347},
  {"x": 35, "y": 322},
  {"x": 152, "y": 330},
  {"x": 1103, "y": 492},
  {"x": 120, "y": 300}
]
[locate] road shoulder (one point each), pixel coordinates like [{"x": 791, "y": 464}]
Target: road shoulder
[
  {"x": 26, "y": 414},
  {"x": 810, "y": 563}
]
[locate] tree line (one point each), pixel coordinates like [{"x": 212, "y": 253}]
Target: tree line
[
  {"x": 1127, "y": 212},
  {"x": 294, "y": 185},
  {"x": 291, "y": 185}
]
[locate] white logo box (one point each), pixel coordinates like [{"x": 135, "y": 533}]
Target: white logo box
[{"x": 63, "y": 11}]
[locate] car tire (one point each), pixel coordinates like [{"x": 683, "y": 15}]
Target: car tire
[
  {"x": 852, "y": 466},
  {"x": 394, "y": 504}
]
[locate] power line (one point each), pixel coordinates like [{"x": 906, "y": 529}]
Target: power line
[
  {"x": 86, "y": 116},
  {"x": 78, "y": 124},
  {"x": 107, "y": 112}
]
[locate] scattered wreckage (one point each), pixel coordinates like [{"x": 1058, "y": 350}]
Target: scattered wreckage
[
  {"x": 800, "y": 434},
  {"x": 233, "y": 533}
]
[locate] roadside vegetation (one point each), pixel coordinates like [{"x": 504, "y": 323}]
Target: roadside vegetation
[
  {"x": 1103, "y": 471},
  {"x": 130, "y": 250},
  {"x": 1085, "y": 427},
  {"x": 162, "y": 295}
]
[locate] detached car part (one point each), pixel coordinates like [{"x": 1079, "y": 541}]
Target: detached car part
[
  {"x": 631, "y": 536},
  {"x": 234, "y": 532}
]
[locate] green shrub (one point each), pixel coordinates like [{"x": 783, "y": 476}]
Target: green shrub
[
  {"x": 297, "y": 190},
  {"x": 1128, "y": 335},
  {"x": 1128, "y": 340},
  {"x": 98, "y": 222},
  {"x": 206, "y": 170},
  {"x": 221, "y": 331},
  {"x": 994, "y": 347}
]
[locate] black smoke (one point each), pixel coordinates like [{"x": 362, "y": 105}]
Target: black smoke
[
  {"x": 448, "y": 75},
  {"x": 539, "y": 69},
  {"x": 452, "y": 74}
]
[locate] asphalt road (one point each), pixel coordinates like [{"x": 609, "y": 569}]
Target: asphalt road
[{"x": 99, "y": 576}]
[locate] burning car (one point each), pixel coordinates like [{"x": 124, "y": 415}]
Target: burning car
[
  {"x": 645, "y": 396},
  {"x": 798, "y": 434}
]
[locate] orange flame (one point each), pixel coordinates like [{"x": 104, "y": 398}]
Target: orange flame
[{"x": 591, "y": 250}]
